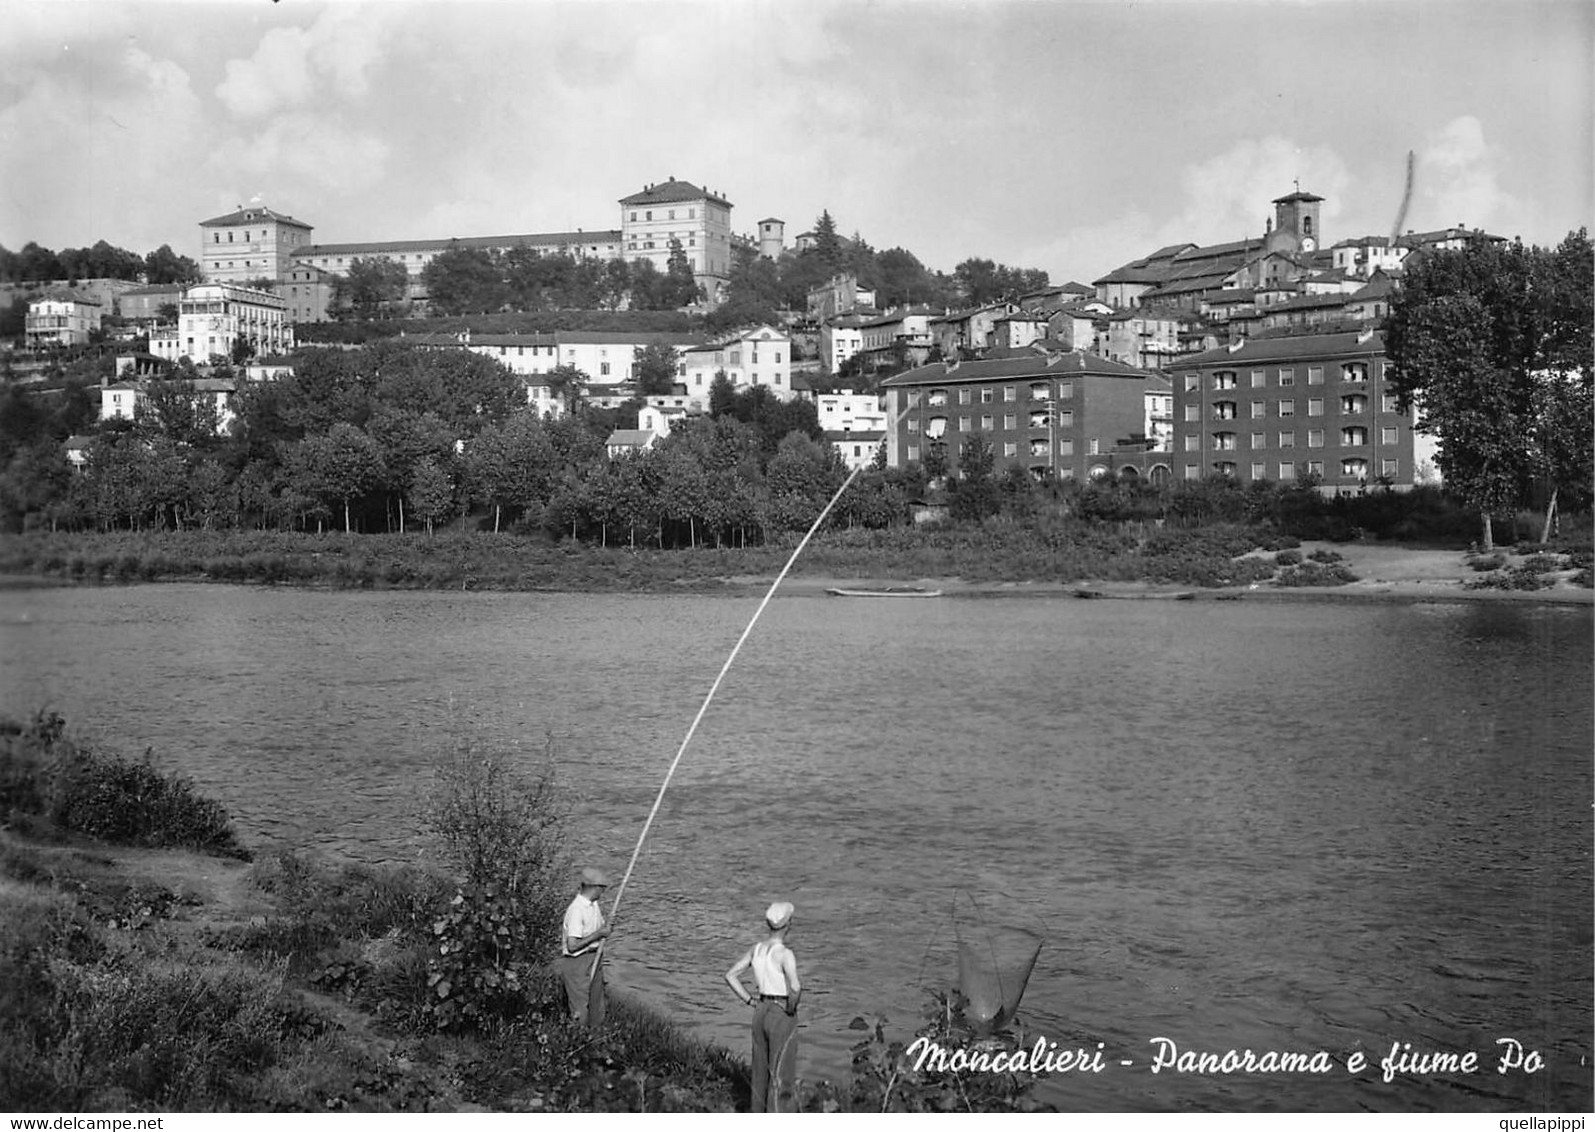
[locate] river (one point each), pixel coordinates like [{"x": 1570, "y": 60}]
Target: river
[{"x": 1288, "y": 826}]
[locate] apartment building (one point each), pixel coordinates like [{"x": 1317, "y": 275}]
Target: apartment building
[
  {"x": 1289, "y": 408},
  {"x": 840, "y": 339},
  {"x": 61, "y": 320},
  {"x": 761, "y": 356},
  {"x": 1071, "y": 414},
  {"x": 214, "y": 317}
]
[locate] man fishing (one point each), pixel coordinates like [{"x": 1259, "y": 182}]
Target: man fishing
[
  {"x": 580, "y": 961},
  {"x": 774, "y": 1011}
]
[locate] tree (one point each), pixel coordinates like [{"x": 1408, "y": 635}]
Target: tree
[
  {"x": 568, "y": 384},
  {"x": 408, "y": 440},
  {"x": 163, "y": 266},
  {"x": 431, "y": 491},
  {"x": 465, "y": 281},
  {"x": 655, "y": 368},
  {"x": 374, "y": 287},
  {"x": 681, "y": 286},
  {"x": 1493, "y": 345},
  {"x": 975, "y": 494},
  {"x": 827, "y": 244},
  {"x": 341, "y": 464}
]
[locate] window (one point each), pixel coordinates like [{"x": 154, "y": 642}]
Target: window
[
  {"x": 1259, "y": 440},
  {"x": 1224, "y": 410},
  {"x": 672, "y": 217},
  {"x": 987, "y": 396},
  {"x": 1259, "y": 409},
  {"x": 1315, "y": 375},
  {"x": 1287, "y": 378},
  {"x": 1223, "y": 442},
  {"x": 1010, "y": 393},
  {"x": 1066, "y": 418},
  {"x": 633, "y": 217},
  {"x": 1387, "y": 404},
  {"x": 1224, "y": 380},
  {"x": 985, "y": 421},
  {"x": 913, "y": 451},
  {"x": 1009, "y": 421},
  {"x": 1193, "y": 412},
  {"x": 1287, "y": 439},
  {"x": 1259, "y": 471},
  {"x": 1066, "y": 390},
  {"x": 963, "y": 424},
  {"x": 1040, "y": 418},
  {"x": 1287, "y": 470},
  {"x": 937, "y": 398},
  {"x": 1193, "y": 443},
  {"x": 913, "y": 424},
  {"x": 1038, "y": 447},
  {"x": 1224, "y": 467},
  {"x": 1192, "y": 472},
  {"x": 778, "y": 357},
  {"x": 1287, "y": 408},
  {"x": 1039, "y": 391},
  {"x": 603, "y": 369},
  {"x": 963, "y": 396},
  {"x": 1010, "y": 448},
  {"x": 648, "y": 215},
  {"x": 1093, "y": 446},
  {"x": 1389, "y": 436},
  {"x": 1354, "y": 437},
  {"x": 1315, "y": 468},
  {"x": 1389, "y": 468},
  {"x": 1356, "y": 403},
  {"x": 1354, "y": 372},
  {"x": 1066, "y": 448},
  {"x": 1355, "y": 466},
  {"x": 1257, "y": 379},
  {"x": 1315, "y": 438},
  {"x": 935, "y": 427},
  {"x": 1193, "y": 382}
]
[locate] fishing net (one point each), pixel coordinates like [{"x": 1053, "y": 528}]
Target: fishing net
[{"x": 994, "y": 965}]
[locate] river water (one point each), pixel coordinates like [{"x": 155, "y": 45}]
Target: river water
[{"x": 1278, "y": 826}]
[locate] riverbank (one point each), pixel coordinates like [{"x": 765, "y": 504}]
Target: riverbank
[{"x": 1214, "y": 562}]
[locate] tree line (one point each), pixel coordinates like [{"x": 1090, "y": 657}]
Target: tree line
[{"x": 35, "y": 263}]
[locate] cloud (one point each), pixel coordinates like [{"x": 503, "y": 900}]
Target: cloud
[
  {"x": 1222, "y": 198},
  {"x": 297, "y": 150},
  {"x": 295, "y": 67},
  {"x": 1457, "y": 181}
]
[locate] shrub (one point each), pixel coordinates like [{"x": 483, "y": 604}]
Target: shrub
[
  {"x": 1485, "y": 562},
  {"x": 1315, "y": 574},
  {"x": 42, "y": 771},
  {"x": 1288, "y": 558},
  {"x": 1326, "y": 557}
]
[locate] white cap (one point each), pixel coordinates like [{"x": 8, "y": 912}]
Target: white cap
[{"x": 779, "y": 914}]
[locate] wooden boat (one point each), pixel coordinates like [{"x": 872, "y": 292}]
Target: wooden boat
[{"x": 889, "y": 591}]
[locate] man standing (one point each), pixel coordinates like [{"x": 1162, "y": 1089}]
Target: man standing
[
  {"x": 774, "y": 1011},
  {"x": 578, "y": 950}
]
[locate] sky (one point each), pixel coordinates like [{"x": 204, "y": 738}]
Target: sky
[{"x": 1067, "y": 135}]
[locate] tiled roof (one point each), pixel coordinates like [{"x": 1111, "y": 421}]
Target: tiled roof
[
  {"x": 1038, "y": 364},
  {"x": 531, "y": 240},
  {"x": 1309, "y": 302},
  {"x": 630, "y": 437},
  {"x": 671, "y": 191},
  {"x": 1296, "y": 196},
  {"x": 1232, "y": 295},
  {"x": 253, "y": 214},
  {"x": 1345, "y": 344},
  {"x": 1378, "y": 287}
]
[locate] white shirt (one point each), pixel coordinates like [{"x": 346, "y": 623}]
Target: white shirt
[{"x": 582, "y": 919}]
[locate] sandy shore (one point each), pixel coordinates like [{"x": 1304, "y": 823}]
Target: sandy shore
[{"x": 1385, "y": 573}]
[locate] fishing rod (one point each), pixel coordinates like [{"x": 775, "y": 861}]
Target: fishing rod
[{"x": 614, "y": 908}]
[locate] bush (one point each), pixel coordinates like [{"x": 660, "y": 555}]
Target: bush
[
  {"x": 498, "y": 833},
  {"x": 1315, "y": 574},
  {"x": 1486, "y": 562},
  {"x": 1288, "y": 558},
  {"x": 79, "y": 790}
]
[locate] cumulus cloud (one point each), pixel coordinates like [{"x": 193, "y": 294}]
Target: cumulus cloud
[
  {"x": 296, "y": 67},
  {"x": 1457, "y": 181},
  {"x": 1226, "y": 197},
  {"x": 300, "y": 150}
]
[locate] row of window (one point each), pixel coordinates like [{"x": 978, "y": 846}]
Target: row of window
[
  {"x": 1040, "y": 391},
  {"x": 935, "y": 426},
  {"x": 1352, "y": 404},
  {"x": 1352, "y": 437},
  {"x": 286, "y": 236},
  {"x": 1353, "y": 467},
  {"x": 692, "y": 214},
  {"x": 1353, "y": 372}
]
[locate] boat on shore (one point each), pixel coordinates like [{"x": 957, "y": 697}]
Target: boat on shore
[{"x": 887, "y": 591}]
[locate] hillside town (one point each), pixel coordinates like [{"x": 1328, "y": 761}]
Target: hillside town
[{"x": 1260, "y": 359}]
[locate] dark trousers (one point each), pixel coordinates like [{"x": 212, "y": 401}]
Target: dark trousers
[
  {"x": 584, "y": 992},
  {"x": 774, "y": 1057}
]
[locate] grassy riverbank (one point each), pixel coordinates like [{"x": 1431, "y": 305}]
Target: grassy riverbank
[
  {"x": 996, "y": 554},
  {"x": 148, "y": 963}
]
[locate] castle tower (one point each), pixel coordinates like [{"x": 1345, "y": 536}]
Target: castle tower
[{"x": 772, "y": 237}]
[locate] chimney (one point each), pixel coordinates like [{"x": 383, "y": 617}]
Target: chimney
[
  {"x": 1365, "y": 336},
  {"x": 1235, "y": 346}
]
